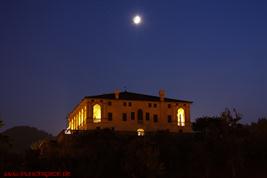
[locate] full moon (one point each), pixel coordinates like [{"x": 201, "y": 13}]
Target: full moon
[{"x": 137, "y": 19}]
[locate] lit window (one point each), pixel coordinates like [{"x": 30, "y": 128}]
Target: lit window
[
  {"x": 180, "y": 117},
  {"x": 67, "y": 131},
  {"x": 96, "y": 113},
  {"x": 140, "y": 132}
]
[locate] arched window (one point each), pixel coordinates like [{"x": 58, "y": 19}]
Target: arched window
[
  {"x": 71, "y": 124},
  {"x": 79, "y": 116},
  {"x": 180, "y": 117},
  {"x": 82, "y": 118},
  {"x": 96, "y": 113},
  {"x": 140, "y": 132},
  {"x": 85, "y": 114},
  {"x": 75, "y": 123}
]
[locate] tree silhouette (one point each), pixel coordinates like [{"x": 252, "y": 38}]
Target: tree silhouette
[
  {"x": 219, "y": 147},
  {"x": 1, "y": 123}
]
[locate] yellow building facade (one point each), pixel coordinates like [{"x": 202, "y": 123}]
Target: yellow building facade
[{"x": 131, "y": 112}]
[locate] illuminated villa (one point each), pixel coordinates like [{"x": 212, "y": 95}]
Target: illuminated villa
[{"x": 131, "y": 112}]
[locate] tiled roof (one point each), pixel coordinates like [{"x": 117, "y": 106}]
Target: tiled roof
[{"x": 135, "y": 96}]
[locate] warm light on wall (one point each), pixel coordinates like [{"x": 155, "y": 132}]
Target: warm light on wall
[
  {"x": 140, "y": 132},
  {"x": 70, "y": 124},
  {"x": 79, "y": 118},
  {"x": 85, "y": 114},
  {"x": 180, "y": 117},
  {"x": 75, "y": 122},
  {"x": 82, "y": 118},
  {"x": 123, "y": 115},
  {"x": 97, "y": 113}
]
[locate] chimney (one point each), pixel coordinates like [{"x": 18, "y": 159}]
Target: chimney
[
  {"x": 161, "y": 95},
  {"x": 117, "y": 93}
]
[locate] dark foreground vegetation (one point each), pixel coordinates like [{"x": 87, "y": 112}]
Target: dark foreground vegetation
[{"x": 220, "y": 147}]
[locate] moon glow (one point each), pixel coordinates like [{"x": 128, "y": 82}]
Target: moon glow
[{"x": 137, "y": 20}]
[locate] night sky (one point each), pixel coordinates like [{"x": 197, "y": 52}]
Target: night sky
[{"x": 55, "y": 52}]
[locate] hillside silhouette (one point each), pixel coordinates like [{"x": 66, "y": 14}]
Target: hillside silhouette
[{"x": 22, "y": 137}]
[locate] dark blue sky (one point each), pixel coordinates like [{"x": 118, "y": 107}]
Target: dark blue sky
[{"x": 53, "y": 53}]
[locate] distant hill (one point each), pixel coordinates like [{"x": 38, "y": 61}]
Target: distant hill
[{"x": 21, "y": 137}]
